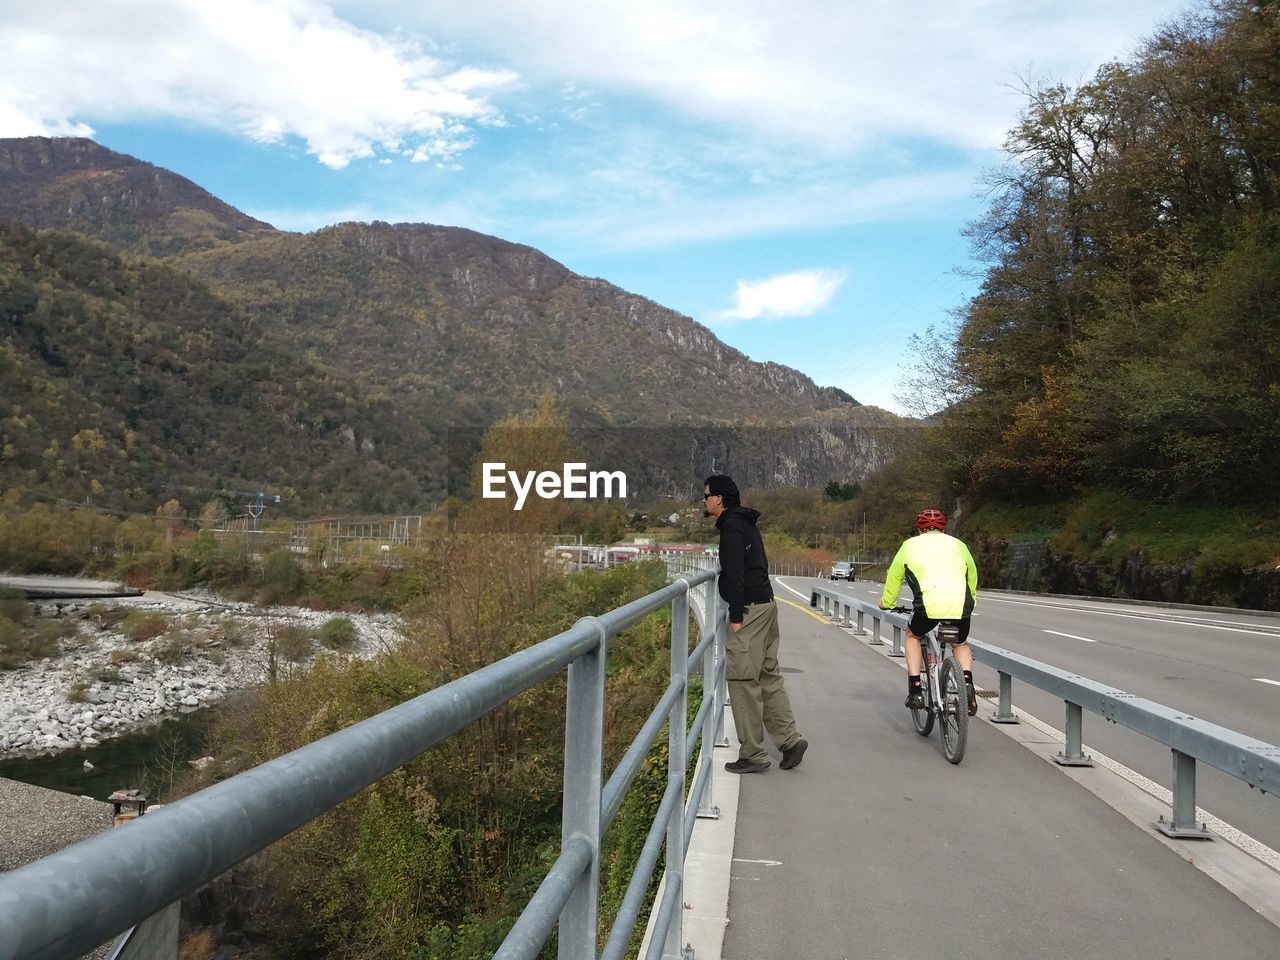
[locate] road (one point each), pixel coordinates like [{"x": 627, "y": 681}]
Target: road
[
  {"x": 876, "y": 848},
  {"x": 1221, "y": 667}
]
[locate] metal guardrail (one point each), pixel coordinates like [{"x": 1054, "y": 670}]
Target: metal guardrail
[
  {"x": 1190, "y": 739},
  {"x": 60, "y": 907}
]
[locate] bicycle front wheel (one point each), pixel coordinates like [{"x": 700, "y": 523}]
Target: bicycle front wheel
[{"x": 954, "y": 711}]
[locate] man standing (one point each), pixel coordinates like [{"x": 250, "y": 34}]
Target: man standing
[{"x": 756, "y": 692}]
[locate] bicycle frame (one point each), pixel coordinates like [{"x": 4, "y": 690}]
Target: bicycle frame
[{"x": 951, "y": 714}]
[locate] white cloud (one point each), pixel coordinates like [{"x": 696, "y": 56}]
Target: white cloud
[
  {"x": 269, "y": 69},
  {"x": 838, "y": 77},
  {"x": 799, "y": 294}
]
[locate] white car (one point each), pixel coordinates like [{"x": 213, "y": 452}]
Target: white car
[{"x": 842, "y": 570}]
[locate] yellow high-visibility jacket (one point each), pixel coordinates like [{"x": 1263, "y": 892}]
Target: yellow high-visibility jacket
[{"x": 941, "y": 573}]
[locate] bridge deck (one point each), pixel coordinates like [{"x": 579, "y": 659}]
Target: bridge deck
[{"x": 876, "y": 847}]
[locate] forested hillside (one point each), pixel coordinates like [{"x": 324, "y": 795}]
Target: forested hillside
[
  {"x": 1126, "y": 330},
  {"x": 126, "y": 383},
  {"x": 1123, "y": 349}
]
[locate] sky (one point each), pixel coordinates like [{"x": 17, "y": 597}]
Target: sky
[{"x": 795, "y": 175}]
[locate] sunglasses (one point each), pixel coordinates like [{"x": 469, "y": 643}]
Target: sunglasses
[{"x": 708, "y": 496}]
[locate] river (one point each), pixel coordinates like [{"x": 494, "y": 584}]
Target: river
[{"x": 145, "y": 760}]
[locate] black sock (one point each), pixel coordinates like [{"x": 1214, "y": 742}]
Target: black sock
[
  {"x": 968, "y": 676},
  {"x": 913, "y": 683}
]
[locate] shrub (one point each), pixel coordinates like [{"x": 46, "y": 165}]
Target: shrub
[
  {"x": 14, "y": 605},
  {"x": 337, "y": 633},
  {"x": 78, "y": 692},
  {"x": 106, "y": 617},
  {"x": 13, "y": 651},
  {"x": 55, "y": 630},
  {"x": 175, "y": 647},
  {"x": 122, "y": 655},
  {"x": 282, "y": 577},
  {"x": 19, "y": 646},
  {"x": 293, "y": 642},
  {"x": 139, "y": 626},
  {"x": 232, "y": 632},
  {"x": 107, "y": 675}
]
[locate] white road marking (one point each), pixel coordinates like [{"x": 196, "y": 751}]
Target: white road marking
[
  {"x": 796, "y": 592},
  {"x": 1071, "y": 635},
  {"x": 767, "y": 863},
  {"x": 1265, "y": 680},
  {"x": 986, "y": 597}
]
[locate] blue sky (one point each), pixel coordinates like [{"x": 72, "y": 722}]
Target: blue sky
[{"x": 795, "y": 175}]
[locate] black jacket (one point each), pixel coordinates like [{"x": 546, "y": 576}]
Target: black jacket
[{"x": 744, "y": 569}]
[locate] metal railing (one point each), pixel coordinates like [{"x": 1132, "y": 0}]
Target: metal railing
[
  {"x": 1190, "y": 739},
  {"x": 71, "y": 901}
]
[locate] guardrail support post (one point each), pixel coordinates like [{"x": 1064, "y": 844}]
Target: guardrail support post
[
  {"x": 1073, "y": 754},
  {"x": 897, "y": 641},
  {"x": 713, "y": 715},
  {"x": 677, "y": 723},
  {"x": 721, "y": 626},
  {"x": 861, "y": 628},
  {"x": 583, "y": 783},
  {"x": 1183, "y": 823},
  {"x": 875, "y": 631},
  {"x": 1005, "y": 713}
]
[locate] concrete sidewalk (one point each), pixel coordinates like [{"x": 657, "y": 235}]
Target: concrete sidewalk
[{"x": 876, "y": 847}]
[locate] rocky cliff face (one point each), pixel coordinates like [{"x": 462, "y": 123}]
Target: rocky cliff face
[{"x": 1036, "y": 567}]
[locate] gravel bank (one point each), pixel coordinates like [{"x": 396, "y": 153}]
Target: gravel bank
[{"x": 104, "y": 684}]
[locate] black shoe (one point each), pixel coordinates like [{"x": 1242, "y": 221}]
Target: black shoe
[
  {"x": 792, "y": 756},
  {"x": 747, "y": 766},
  {"x": 915, "y": 700},
  {"x": 973, "y": 700}
]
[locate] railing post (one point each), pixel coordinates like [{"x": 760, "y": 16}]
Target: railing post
[
  {"x": 1184, "y": 823},
  {"x": 862, "y": 622},
  {"x": 722, "y": 688},
  {"x": 875, "y": 631},
  {"x": 711, "y": 717},
  {"x": 1005, "y": 713},
  {"x": 583, "y": 782},
  {"x": 1073, "y": 754},
  {"x": 676, "y": 765}
]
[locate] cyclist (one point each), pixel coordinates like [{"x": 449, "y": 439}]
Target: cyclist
[{"x": 943, "y": 579}]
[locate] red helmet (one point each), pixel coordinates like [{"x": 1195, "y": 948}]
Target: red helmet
[{"x": 931, "y": 520}]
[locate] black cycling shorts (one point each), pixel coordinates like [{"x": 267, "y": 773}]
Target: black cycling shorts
[{"x": 920, "y": 625}]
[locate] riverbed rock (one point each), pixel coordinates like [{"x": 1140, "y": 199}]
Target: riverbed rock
[{"x": 35, "y": 715}]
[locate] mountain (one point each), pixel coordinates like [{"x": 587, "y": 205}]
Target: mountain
[
  {"x": 396, "y": 332},
  {"x": 466, "y": 328},
  {"x": 75, "y": 184}
]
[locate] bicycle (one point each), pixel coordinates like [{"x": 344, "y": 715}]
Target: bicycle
[{"x": 945, "y": 696}]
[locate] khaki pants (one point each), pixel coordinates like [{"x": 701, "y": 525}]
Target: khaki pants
[{"x": 756, "y": 692}]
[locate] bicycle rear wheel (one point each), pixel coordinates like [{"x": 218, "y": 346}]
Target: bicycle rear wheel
[
  {"x": 923, "y": 718},
  {"x": 954, "y": 712}
]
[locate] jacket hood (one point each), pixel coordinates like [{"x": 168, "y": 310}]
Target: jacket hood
[{"x": 741, "y": 513}]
